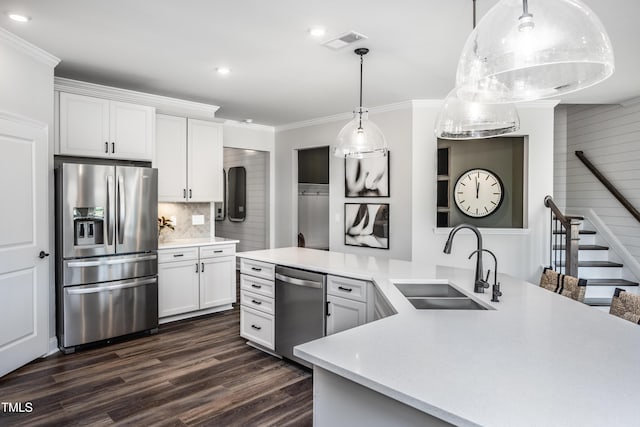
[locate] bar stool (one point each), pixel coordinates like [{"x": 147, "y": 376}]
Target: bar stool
[
  {"x": 568, "y": 286},
  {"x": 625, "y": 305}
]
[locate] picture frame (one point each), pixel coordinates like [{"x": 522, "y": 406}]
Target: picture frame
[
  {"x": 366, "y": 225},
  {"x": 368, "y": 177}
]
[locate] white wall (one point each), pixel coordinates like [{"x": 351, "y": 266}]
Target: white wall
[
  {"x": 26, "y": 89},
  {"x": 260, "y": 138},
  {"x": 519, "y": 252},
  {"x": 395, "y": 123},
  {"x": 609, "y": 135}
]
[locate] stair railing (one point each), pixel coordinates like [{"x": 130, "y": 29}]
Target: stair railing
[
  {"x": 565, "y": 233},
  {"x": 603, "y": 179}
]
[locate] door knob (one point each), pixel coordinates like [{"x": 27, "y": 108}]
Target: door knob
[{"x": 42, "y": 254}]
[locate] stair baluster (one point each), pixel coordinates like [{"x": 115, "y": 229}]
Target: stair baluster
[{"x": 570, "y": 229}]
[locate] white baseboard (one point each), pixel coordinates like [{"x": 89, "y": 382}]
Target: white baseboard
[
  {"x": 194, "y": 314},
  {"x": 53, "y": 346}
]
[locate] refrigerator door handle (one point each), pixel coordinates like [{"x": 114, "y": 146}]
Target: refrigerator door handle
[
  {"x": 95, "y": 263},
  {"x": 110, "y": 211},
  {"x": 115, "y": 287},
  {"x": 121, "y": 210}
]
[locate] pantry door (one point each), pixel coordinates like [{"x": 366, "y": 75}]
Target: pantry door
[{"x": 24, "y": 241}]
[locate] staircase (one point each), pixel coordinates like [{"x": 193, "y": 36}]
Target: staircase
[{"x": 596, "y": 263}]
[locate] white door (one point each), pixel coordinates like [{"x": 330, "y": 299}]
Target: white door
[
  {"x": 217, "y": 281},
  {"x": 343, "y": 314},
  {"x": 132, "y": 130},
  {"x": 84, "y": 126},
  {"x": 24, "y": 276},
  {"x": 205, "y": 161},
  {"x": 171, "y": 158}
]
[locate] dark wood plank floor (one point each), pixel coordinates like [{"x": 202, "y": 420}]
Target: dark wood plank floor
[{"x": 193, "y": 372}]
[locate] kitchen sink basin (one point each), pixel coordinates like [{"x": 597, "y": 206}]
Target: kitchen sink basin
[
  {"x": 454, "y": 303},
  {"x": 411, "y": 290},
  {"x": 437, "y": 296}
]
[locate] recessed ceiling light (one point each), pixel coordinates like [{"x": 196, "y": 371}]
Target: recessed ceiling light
[
  {"x": 317, "y": 31},
  {"x": 18, "y": 17},
  {"x": 223, "y": 70},
  {"x": 248, "y": 120}
]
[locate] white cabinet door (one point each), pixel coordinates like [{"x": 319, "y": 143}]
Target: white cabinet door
[
  {"x": 24, "y": 276},
  {"x": 217, "y": 281},
  {"x": 171, "y": 158},
  {"x": 204, "y": 168},
  {"x": 132, "y": 130},
  {"x": 344, "y": 314},
  {"x": 84, "y": 126},
  {"x": 178, "y": 288}
]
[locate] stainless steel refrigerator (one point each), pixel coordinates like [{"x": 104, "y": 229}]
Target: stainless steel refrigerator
[{"x": 106, "y": 252}]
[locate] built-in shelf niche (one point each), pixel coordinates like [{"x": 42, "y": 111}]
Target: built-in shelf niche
[{"x": 443, "y": 194}]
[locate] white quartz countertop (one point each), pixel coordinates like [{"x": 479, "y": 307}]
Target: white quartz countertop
[
  {"x": 535, "y": 359},
  {"x": 203, "y": 241}
]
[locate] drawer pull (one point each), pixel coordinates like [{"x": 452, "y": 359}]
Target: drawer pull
[
  {"x": 177, "y": 255},
  {"x": 256, "y": 302},
  {"x": 342, "y": 288},
  {"x": 253, "y": 285},
  {"x": 256, "y": 327},
  {"x": 218, "y": 252},
  {"x": 256, "y": 269}
]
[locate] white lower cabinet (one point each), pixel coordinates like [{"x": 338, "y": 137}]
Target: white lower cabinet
[
  {"x": 343, "y": 314},
  {"x": 194, "y": 279},
  {"x": 257, "y": 302}
]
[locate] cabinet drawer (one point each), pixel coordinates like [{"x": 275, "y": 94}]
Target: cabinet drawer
[
  {"x": 257, "y": 327},
  {"x": 258, "y": 268},
  {"x": 256, "y": 285},
  {"x": 258, "y": 302},
  {"x": 347, "y": 288},
  {"x": 217, "y": 250},
  {"x": 181, "y": 254}
]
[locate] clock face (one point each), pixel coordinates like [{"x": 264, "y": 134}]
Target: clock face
[{"x": 478, "y": 193}]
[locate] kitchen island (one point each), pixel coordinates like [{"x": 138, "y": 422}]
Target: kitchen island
[{"x": 535, "y": 358}]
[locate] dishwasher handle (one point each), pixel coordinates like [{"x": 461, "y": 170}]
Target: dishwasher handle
[{"x": 299, "y": 282}]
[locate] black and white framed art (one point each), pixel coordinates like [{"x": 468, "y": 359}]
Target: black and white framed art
[
  {"x": 366, "y": 225},
  {"x": 367, "y": 177}
]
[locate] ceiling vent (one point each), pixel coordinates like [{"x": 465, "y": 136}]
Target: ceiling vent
[{"x": 344, "y": 40}]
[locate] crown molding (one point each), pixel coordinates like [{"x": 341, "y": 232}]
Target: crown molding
[
  {"x": 250, "y": 126},
  {"x": 162, "y": 104},
  {"x": 30, "y": 49},
  {"x": 344, "y": 116}
]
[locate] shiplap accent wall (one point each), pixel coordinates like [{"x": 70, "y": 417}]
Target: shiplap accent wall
[
  {"x": 609, "y": 135},
  {"x": 252, "y": 233},
  {"x": 560, "y": 157}
]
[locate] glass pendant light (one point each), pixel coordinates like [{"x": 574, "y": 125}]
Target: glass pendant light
[
  {"x": 459, "y": 119},
  {"x": 360, "y": 138},
  {"x": 525, "y": 50}
]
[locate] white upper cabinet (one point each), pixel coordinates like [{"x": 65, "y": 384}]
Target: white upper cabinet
[
  {"x": 96, "y": 127},
  {"x": 205, "y": 161},
  {"x": 189, "y": 159},
  {"x": 171, "y": 158}
]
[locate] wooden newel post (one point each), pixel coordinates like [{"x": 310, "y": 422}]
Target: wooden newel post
[{"x": 572, "y": 246}]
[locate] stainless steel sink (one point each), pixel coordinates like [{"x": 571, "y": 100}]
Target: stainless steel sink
[
  {"x": 410, "y": 290},
  {"x": 437, "y": 296},
  {"x": 463, "y": 303}
]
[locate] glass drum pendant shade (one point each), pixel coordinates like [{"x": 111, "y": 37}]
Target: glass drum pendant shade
[
  {"x": 471, "y": 120},
  {"x": 360, "y": 138},
  {"x": 525, "y": 50}
]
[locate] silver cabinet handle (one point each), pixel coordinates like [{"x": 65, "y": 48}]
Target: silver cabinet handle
[
  {"x": 342, "y": 288},
  {"x": 298, "y": 282},
  {"x": 256, "y": 327}
]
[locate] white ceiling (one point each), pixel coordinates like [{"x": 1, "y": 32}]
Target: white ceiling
[{"x": 280, "y": 74}]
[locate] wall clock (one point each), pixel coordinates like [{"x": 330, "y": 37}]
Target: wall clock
[{"x": 478, "y": 193}]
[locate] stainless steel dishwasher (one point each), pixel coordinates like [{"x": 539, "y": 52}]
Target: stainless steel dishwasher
[{"x": 300, "y": 309}]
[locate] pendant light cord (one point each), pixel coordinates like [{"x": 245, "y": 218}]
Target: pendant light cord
[
  {"x": 360, "y": 112},
  {"x": 525, "y": 9},
  {"x": 474, "y": 13}
]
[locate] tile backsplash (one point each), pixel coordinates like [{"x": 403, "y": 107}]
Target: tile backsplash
[{"x": 183, "y": 213}]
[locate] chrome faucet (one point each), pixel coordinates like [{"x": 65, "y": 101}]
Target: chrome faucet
[{"x": 480, "y": 283}]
